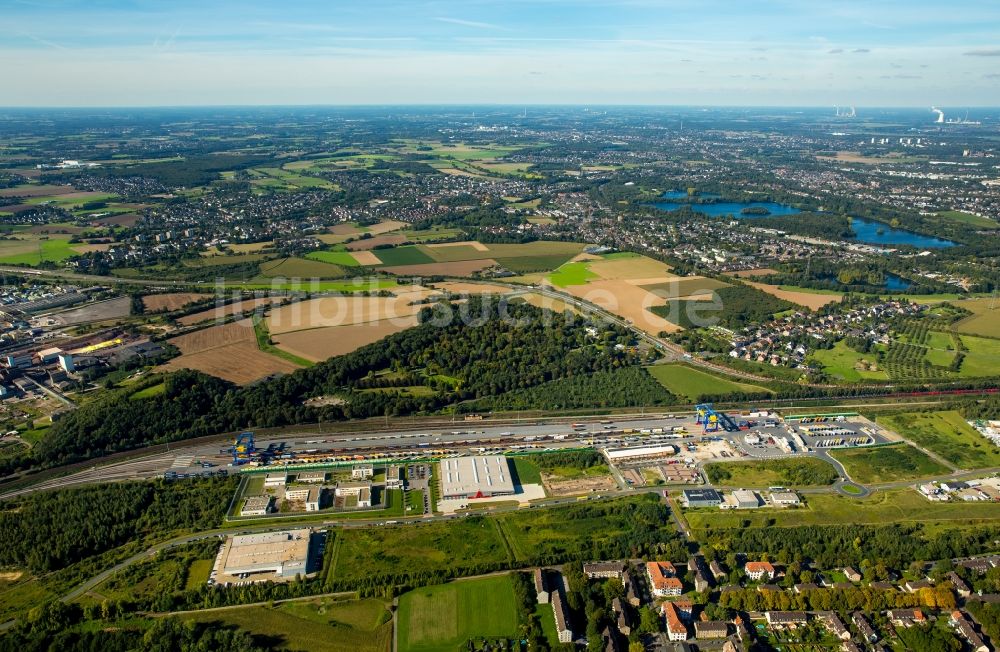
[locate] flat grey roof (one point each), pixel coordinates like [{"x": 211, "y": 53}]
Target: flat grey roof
[{"x": 464, "y": 476}]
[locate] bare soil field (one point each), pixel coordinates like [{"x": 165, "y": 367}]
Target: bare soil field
[
  {"x": 170, "y": 301},
  {"x": 458, "y": 268},
  {"x": 125, "y": 219},
  {"x": 111, "y": 309},
  {"x": 472, "y": 288},
  {"x": 627, "y": 301},
  {"x": 366, "y": 258},
  {"x": 807, "y": 299},
  {"x": 345, "y": 229},
  {"x": 224, "y": 311},
  {"x": 475, "y": 244},
  {"x": 38, "y": 191},
  {"x": 228, "y": 351},
  {"x": 370, "y": 243},
  {"x": 345, "y": 311},
  {"x": 318, "y": 344}
]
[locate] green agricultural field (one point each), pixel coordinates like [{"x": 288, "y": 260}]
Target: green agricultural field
[
  {"x": 795, "y": 472},
  {"x": 881, "y": 508},
  {"x": 969, "y": 218},
  {"x": 532, "y": 264},
  {"x": 340, "y": 257},
  {"x": 433, "y": 234},
  {"x": 946, "y": 434},
  {"x": 571, "y": 274},
  {"x": 444, "y": 617},
  {"x": 842, "y": 362},
  {"x": 887, "y": 463},
  {"x": 34, "y": 250},
  {"x": 321, "y": 626},
  {"x": 982, "y": 357},
  {"x": 984, "y": 320},
  {"x": 408, "y": 255},
  {"x": 692, "y": 383},
  {"x": 300, "y": 268}
]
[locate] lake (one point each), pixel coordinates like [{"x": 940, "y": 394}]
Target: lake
[{"x": 868, "y": 231}]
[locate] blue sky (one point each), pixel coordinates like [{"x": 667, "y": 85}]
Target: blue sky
[{"x": 735, "y": 52}]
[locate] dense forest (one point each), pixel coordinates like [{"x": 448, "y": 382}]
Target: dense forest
[
  {"x": 622, "y": 387},
  {"x": 51, "y": 530}
]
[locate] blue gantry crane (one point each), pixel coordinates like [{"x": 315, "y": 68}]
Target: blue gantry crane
[
  {"x": 711, "y": 420},
  {"x": 243, "y": 448}
]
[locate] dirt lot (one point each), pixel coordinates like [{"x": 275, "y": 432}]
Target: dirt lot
[
  {"x": 170, "y": 301},
  {"x": 459, "y": 268},
  {"x": 318, "y": 344},
  {"x": 229, "y": 351},
  {"x": 579, "y": 486},
  {"x": 345, "y": 311},
  {"x": 807, "y": 299},
  {"x": 224, "y": 311},
  {"x": 111, "y": 309},
  {"x": 627, "y": 301}
]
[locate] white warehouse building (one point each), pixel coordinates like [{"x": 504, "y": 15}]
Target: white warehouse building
[{"x": 479, "y": 476}]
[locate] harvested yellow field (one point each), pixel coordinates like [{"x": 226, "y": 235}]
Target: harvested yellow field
[
  {"x": 807, "y": 299},
  {"x": 579, "y": 258},
  {"x": 630, "y": 302},
  {"x": 749, "y": 273},
  {"x": 475, "y": 244},
  {"x": 457, "y": 268},
  {"x": 472, "y": 288},
  {"x": 318, "y": 344},
  {"x": 638, "y": 267},
  {"x": 171, "y": 300},
  {"x": 366, "y": 258},
  {"x": 345, "y": 310},
  {"x": 221, "y": 312},
  {"x": 229, "y": 352},
  {"x": 386, "y": 226}
]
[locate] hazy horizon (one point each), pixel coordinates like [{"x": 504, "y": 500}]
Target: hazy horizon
[{"x": 788, "y": 53}]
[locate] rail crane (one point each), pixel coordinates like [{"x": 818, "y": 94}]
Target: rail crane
[
  {"x": 243, "y": 448},
  {"x": 707, "y": 417}
]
